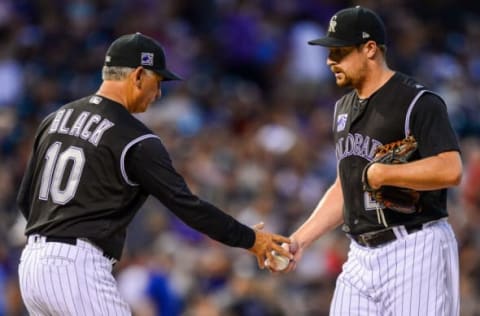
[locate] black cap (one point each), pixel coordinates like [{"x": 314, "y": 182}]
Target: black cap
[
  {"x": 353, "y": 26},
  {"x": 134, "y": 50}
]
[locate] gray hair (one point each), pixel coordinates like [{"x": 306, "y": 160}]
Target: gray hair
[{"x": 115, "y": 73}]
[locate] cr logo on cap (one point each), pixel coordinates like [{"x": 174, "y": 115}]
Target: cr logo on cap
[
  {"x": 146, "y": 59},
  {"x": 333, "y": 24}
]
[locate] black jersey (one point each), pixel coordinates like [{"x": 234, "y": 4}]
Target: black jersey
[
  {"x": 399, "y": 108},
  {"x": 92, "y": 167}
]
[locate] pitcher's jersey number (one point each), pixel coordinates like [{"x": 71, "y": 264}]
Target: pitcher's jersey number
[{"x": 54, "y": 173}]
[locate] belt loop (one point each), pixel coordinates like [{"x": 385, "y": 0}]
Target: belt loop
[{"x": 400, "y": 231}]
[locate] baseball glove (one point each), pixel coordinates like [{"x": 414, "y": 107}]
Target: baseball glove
[{"x": 399, "y": 199}]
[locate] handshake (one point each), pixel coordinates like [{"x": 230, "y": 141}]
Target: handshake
[{"x": 273, "y": 251}]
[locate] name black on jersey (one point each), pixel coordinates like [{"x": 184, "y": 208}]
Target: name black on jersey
[{"x": 78, "y": 182}]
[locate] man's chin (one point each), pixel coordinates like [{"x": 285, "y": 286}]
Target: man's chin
[{"x": 342, "y": 83}]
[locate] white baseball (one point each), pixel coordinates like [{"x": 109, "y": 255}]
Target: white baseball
[{"x": 279, "y": 262}]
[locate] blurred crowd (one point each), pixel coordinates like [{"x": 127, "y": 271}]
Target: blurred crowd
[{"x": 249, "y": 128}]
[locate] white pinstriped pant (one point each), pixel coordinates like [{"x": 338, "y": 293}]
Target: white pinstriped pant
[
  {"x": 415, "y": 275},
  {"x": 62, "y": 279}
]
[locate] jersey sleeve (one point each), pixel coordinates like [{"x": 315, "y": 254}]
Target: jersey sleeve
[
  {"x": 431, "y": 126},
  {"x": 148, "y": 164}
]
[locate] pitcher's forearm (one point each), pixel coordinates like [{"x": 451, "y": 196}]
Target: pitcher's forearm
[{"x": 327, "y": 216}]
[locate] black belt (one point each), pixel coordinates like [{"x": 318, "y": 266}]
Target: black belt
[
  {"x": 378, "y": 238},
  {"x": 73, "y": 241}
]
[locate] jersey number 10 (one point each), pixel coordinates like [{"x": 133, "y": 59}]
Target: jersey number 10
[{"x": 54, "y": 172}]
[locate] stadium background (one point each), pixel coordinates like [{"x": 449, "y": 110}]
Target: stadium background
[{"x": 249, "y": 128}]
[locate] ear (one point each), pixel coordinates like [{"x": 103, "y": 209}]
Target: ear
[
  {"x": 137, "y": 75},
  {"x": 371, "y": 48}
]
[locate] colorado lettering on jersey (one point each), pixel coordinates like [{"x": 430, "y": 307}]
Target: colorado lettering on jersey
[
  {"x": 87, "y": 126},
  {"x": 356, "y": 145}
]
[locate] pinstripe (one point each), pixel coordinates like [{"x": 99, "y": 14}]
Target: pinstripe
[
  {"x": 44, "y": 283},
  {"x": 349, "y": 270},
  {"x": 354, "y": 271},
  {"x": 80, "y": 277},
  {"x": 43, "y": 267},
  {"x": 390, "y": 287},
  {"x": 425, "y": 288},
  {"x": 110, "y": 288},
  {"x": 340, "y": 300},
  {"x": 403, "y": 274},
  {"x": 79, "y": 258},
  {"x": 395, "y": 279},
  {"x": 68, "y": 276},
  {"x": 87, "y": 285},
  {"x": 359, "y": 303},
  {"x": 445, "y": 267},
  {"x": 370, "y": 270},
  {"x": 348, "y": 298},
  {"x": 344, "y": 288},
  {"x": 67, "y": 291},
  {"x": 118, "y": 301},
  {"x": 52, "y": 286},
  {"x": 38, "y": 276},
  {"x": 345, "y": 294},
  {"x": 452, "y": 270},
  {"x": 413, "y": 268},
  {"x": 432, "y": 278},
  {"x": 49, "y": 271},
  {"x": 104, "y": 292},
  {"x": 55, "y": 283},
  {"x": 437, "y": 282},
  {"x": 90, "y": 260},
  {"x": 447, "y": 259},
  {"x": 60, "y": 277},
  {"x": 101, "y": 287},
  {"x": 102, "y": 302},
  {"x": 63, "y": 291},
  {"x": 79, "y": 293},
  {"x": 456, "y": 281},
  {"x": 379, "y": 270},
  {"x": 432, "y": 251}
]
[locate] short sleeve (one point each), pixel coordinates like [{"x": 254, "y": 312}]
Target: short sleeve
[{"x": 431, "y": 126}]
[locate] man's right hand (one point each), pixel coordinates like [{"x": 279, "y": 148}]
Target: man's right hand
[
  {"x": 265, "y": 243},
  {"x": 296, "y": 252}
]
